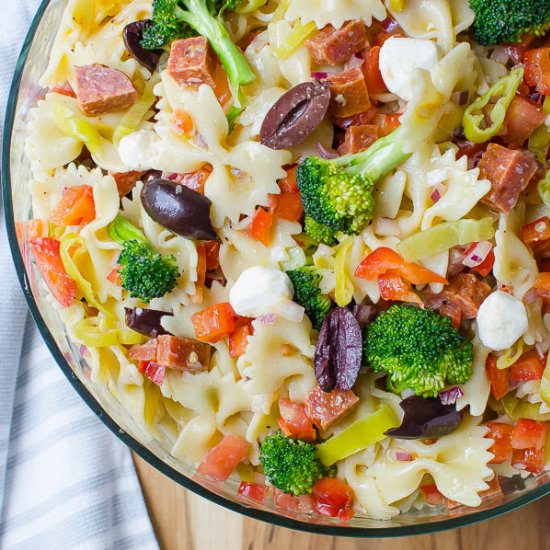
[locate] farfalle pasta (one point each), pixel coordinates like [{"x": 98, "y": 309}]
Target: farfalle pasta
[{"x": 304, "y": 242}]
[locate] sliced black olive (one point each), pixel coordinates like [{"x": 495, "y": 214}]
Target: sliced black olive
[
  {"x": 178, "y": 208},
  {"x": 295, "y": 116},
  {"x": 132, "y": 35},
  {"x": 146, "y": 321}
]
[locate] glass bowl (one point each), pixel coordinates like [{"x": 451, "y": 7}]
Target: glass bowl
[{"x": 24, "y": 94}]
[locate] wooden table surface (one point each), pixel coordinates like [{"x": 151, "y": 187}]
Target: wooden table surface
[{"x": 185, "y": 521}]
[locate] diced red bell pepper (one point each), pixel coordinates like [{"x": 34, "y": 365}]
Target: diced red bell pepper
[
  {"x": 393, "y": 288},
  {"x": 287, "y": 206},
  {"x": 253, "y": 491},
  {"x": 153, "y": 371},
  {"x": 522, "y": 118},
  {"x": 542, "y": 285},
  {"x": 537, "y": 235},
  {"x": 302, "y": 504},
  {"x": 76, "y": 206},
  {"x": 222, "y": 459},
  {"x": 528, "y": 367},
  {"x": 260, "y": 229},
  {"x": 294, "y": 421},
  {"x": 501, "y": 434},
  {"x": 387, "y": 123},
  {"x": 195, "y": 180},
  {"x": 486, "y": 266},
  {"x": 371, "y": 70},
  {"x": 212, "y": 249},
  {"x": 500, "y": 378},
  {"x": 126, "y": 181},
  {"x": 63, "y": 89},
  {"x": 238, "y": 340},
  {"x": 334, "y": 498},
  {"x": 214, "y": 323},
  {"x": 531, "y": 460},
  {"x": 114, "y": 275},
  {"x": 183, "y": 122},
  {"x": 537, "y": 69},
  {"x": 289, "y": 183},
  {"x": 48, "y": 259},
  {"x": 529, "y": 434},
  {"x": 432, "y": 495}
]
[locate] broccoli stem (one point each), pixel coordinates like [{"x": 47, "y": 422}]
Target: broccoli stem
[
  {"x": 379, "y": 159},
  {"x": 238, "y": 70}
]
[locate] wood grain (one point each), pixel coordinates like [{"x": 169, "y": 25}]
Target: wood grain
[{"x": 185, "y": 521}]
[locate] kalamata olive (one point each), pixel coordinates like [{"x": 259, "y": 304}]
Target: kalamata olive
[
  {"x": 426, "y": 418},
  {"x": 146, "y": 321},
  {"x": 178, "y": 208},
  {"x": 295, "y": 116},
  {"x": 339, "y": 351},
  {"x": 132, "y": 35}
]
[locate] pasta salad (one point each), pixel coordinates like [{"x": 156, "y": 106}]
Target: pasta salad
[{"x": 307, "y": 242}]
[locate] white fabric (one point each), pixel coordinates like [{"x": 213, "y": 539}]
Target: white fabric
[{"x": 66, "y": 482}]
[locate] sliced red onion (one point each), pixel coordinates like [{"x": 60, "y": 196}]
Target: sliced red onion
[
  {"x": 402, "y": 456},
  {"x": 171, "y": 177},
  {"x": 438, "y": 192},
  {"x": 531, "y": 296},
  {"x": 389, "y": 24},
  {"x": 82, "y": 350},
  {"x": 450, "y": 396},
  {"x": 501, "y": 55},
  {"x": 267, "y": 319},
  {"x": 326, "y": 153},
  {"x": 477, "y": 255},
  {"x": 364, "y": 313},
  {"x": 319, "y": 75},
  {"x": 353, "y": 62}
]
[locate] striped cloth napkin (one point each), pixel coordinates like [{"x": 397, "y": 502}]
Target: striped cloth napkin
[{"x": 66, "y": 482}]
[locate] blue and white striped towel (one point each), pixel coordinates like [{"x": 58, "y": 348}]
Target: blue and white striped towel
[{"x": 66, "y": 482}]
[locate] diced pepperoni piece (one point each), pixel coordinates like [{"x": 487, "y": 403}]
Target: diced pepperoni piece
[
  {"x": 366, "y": 117},
  {"x": 326, "y": 408},
  {"x": 335, "y": 46},
  {"x": 126, "y": 181},
  {"x": 509, "y": 173},
  {"x": 144, "y": 352},
  {"x": 192, "y": 62},
  {"x": 183, "y": 353},
  {"x": 522, "y": 118},
  {"x": 101, "y": 90},
  {"x": 358, "y": 138},
  {"x": 464, "y": 292},
  {"x": 349, "y": 95}
]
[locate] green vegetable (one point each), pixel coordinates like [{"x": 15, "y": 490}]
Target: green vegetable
[
  {"x": 337, "y": 193},
  {"x": 444, "y": 236},
  {"x": 343, "y": 289},
  {"x": 289, "y": 464},
  {"x": 144, "y": 272},
  {"x": 308, "y": 294},
  {"x": 498, "y": 98},
  {"x": 543, "y": 187},
  {"x": 419, "y": 349},
  {"x": 545, "y": 382},
  {"x": 361, "y": 434},
  {"x": 506, "y": 21},
  {"x": 299, "y": 34},
  {"x": 174, "y": 19},
  {"x": 520, "y": 408}
]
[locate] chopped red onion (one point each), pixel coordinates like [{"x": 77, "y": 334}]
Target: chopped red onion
[
  {"x": 389, "y": 24},
  {"x": 477, "y": 255},
  {"x": 364, "y": 313},
  {"x": 403, "y": 456},
  {"x": 268, "y": 318},
  {"x": 353, "y": 62},
  {"x": 438, "y": 192},
  {"x": 82, "y": 350},
  {"x": 450, "y": 396},
  {"x": 319, "y": 75},
  {"x": 172, "y": 177},
  {"x": 326, "y": 152},
  {"x": 531, "y": 296}
]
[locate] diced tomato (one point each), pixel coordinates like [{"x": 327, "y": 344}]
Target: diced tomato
[
  {"x": 371, "y": 70},
  {"x": 63, "y": 89},
  {"x": 537, "y": 235},
  {"x": 304, "y": 503},
  {"x": 528, "y": 367},
  {"x": 522, "y": 118},
  {"x": 387, "y": 123},
  {"x": 289, "y": 184},
  {"x": 126, "y": 181},
  {"x": 238, "y": 340},
  {"x": 500, "y": 378},
  {"x": 294, "y": 421},
  {"x": 76, "y": 206},
  {"x": 531, "y": 460},
  {"x": 182, "y": 121},
  {"x": 537, "y": 69},
  {"x": 501, "y": 434},
  {"x": 432, "y": 495},
  {"x": 334, "y": 498},
  {"x": 253, "y": 491},
  {"x": 260, "y": 229},
  {"x": 214, "y": 323},
  {"x": 195, "y": 180},
  {"x": 222, "y": 459},
  {"x": 418, "y": 275},
  {"x": 48, "y": 259},
  {"x": 529, "y": 434},
  {"x": 153, "y": 371},
  {"x": 287, "y": 206},
  {"x": 393, "y": 288},
  {"x": 212, "y": 254},
  {"x": 114, "y": 276}
]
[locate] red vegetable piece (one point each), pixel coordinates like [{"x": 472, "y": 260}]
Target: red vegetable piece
[
  {"x": 214, "y": 323},
  {"x": 528, "y": 367},
  {"x": 500, "y": 382},
  {"x": 501, "y": 434},
  {"x": 260, "y": 229},
  {"x": 334, "y": 498},
  {"x": 48, "y": 259},
  {"x": 522, "y": 118},
  {"x": 126, "y": 181},
  {"x": 529, "y": 434},
  {"x": 537, "y": 69},
  {"x": 371, "y": 70},
  {"x": 294, "y": 421},
  {"x": 153, "y": 371},
  {"x": 238, "y": 340},
  {"x": 432, "y": 495},
  {"x": 76, "y": 206},
  {"x": 222, "y": 459},
  {"x": 252, "y": 491},
  {"x": 531, "y": 460}
]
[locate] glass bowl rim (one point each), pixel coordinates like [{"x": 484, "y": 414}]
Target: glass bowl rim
[{"x": 142, "y": 451}]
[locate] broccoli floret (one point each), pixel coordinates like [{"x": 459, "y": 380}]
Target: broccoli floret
[
  {"x": 308, "y": 294},
  {"x": 337, "y": 193},
  {"x": 506, "y": 21},
  {"x": 419, "y": 349},
  {"x": 144, "y": 272},
  {"x": 174, "y": 19},
  {"x": 289, "y": 464}
]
